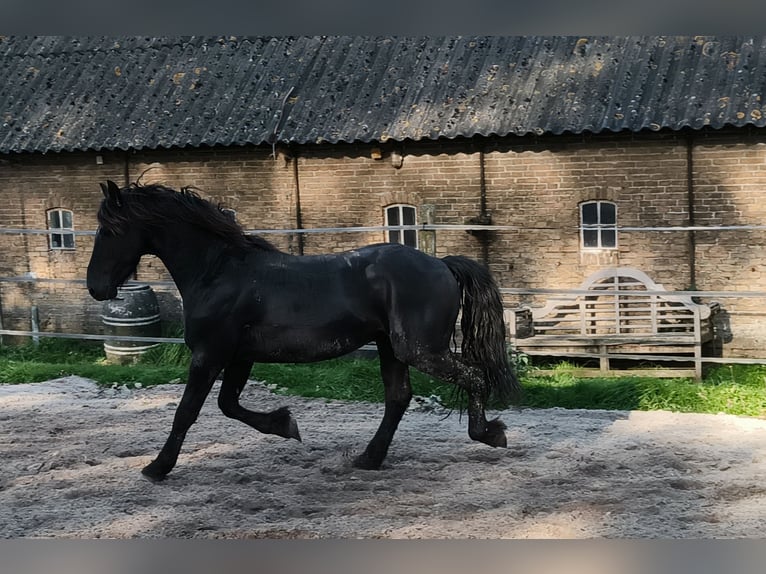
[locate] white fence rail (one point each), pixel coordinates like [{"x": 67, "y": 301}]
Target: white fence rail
[{"x": 31, "y": 278}]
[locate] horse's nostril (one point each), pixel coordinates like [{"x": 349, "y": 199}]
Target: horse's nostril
[{"x": 90, "y": 290}]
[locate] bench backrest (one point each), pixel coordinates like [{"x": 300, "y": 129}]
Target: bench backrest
[{"x": 619, "y": 301}]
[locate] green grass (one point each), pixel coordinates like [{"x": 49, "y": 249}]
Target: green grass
[
  {"x": 345, "y": 379},
  {"x": 55, "y": 358},
  {"x": 734, "y": 389}
]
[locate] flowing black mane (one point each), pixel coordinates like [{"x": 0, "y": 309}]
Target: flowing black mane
[{"x": 156, "y": 205}]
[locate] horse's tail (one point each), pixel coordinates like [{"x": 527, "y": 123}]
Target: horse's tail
[{"x": 483, "y": 327}]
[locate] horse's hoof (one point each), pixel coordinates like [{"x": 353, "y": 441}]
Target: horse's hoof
[
  {"x": 285, "y": 424},
  {"x": 153, "y": 473},
  {"x": 495, "y": 434},
  {"x": 500, "y": 441},
  {"x": 292, "y": 430},
  {"x": 364, "y": 462},
  {"x": 492, "y": 435}
]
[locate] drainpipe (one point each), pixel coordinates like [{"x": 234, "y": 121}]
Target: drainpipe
[
  {"x": 126, "y": 169},
  {"x": 484, "y": 218},
  {"x": 482, "y": 185},
  {"x": 126, "y": 179},
  {"x": 692, "y": 240},
  {"x": 298, "y": 219}
]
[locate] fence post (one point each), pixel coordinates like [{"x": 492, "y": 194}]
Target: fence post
[
  {"x": 427, "y": 238},
  {"x": 35, "y": 325}
]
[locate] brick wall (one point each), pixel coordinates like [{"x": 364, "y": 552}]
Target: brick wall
[
  {"x": 537, "y": 186},
  {"x": 730, "y": 189},
  {"x": 534, "y": 184},
  {"x": 345, "y": 186},
  {"x": 30, "y": 185}
]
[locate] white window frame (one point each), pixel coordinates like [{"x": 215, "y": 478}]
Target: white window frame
[
  {"x": 60, "y": 231},
  {"x": 598, "y": 226},
  {"x": 403, "y": 236}
]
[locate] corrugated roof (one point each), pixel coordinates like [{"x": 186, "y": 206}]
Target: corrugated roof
[{"x": 63, "y": 93}]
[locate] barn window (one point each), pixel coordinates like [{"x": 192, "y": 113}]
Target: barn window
[
  {"x": 401, "y": 214},
  {"x": 598, "y": 225},
  {"x": 61, "y": 224}
]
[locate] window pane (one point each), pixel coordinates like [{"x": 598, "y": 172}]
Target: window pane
[
  {"x": 393, "y": 237},
  {"x": 411, "y": 238},
  {"x": 608, "y": 238},
  {"x": 589, "y": 213},
  {"x": 68, "y": 241},
  {"x": 608, "y": 216},
  {"x": 54, "y": 219},
  {"x": 590, "y": 238},
  {"x": 66, "y": 219},
  {"x": 408, "y": 215},
  {"x": 56, "y": 240},
  {"x": 392, "y": 214}
]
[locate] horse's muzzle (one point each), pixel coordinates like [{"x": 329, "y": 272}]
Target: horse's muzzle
[{"x": 102, "y": 295}]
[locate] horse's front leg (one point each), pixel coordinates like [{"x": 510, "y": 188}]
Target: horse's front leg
[{"x": 202, "y": 374}]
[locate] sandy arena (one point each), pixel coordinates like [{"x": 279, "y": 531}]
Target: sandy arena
[{"x": 72, "y": 454}]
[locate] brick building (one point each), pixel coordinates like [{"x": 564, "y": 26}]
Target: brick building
[{"x": 537, "y": 134}]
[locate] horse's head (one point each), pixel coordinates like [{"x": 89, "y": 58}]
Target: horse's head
[{"x": 118, "y": 246}]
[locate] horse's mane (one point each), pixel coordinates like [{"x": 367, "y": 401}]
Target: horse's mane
[{"x": 156, "y": 205}]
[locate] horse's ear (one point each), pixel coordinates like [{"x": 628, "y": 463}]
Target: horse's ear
[{"x": 112, "y": 192}]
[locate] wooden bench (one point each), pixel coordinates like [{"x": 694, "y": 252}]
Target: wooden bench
[{"x": 621, "y": 311}]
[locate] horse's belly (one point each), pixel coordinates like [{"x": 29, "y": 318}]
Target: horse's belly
[{"x": 301, "y": 344}]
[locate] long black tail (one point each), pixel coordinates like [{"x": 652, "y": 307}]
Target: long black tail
[{"x": 483, "y": 327}]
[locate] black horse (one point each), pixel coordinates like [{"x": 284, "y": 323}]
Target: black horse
[{"x": 245, "y": 301}]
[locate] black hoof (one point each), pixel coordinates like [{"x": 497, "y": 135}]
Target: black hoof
[
  {"x": 292, "y": 430},
  {"x": 365, "y": 462},
  {"x": 285, "y": 424},
  {"x": 495, "y": 434},
  {"x": 153, "y": 472}
]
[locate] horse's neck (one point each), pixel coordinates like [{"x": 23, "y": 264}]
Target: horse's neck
[{"x": 190, "y": 257}]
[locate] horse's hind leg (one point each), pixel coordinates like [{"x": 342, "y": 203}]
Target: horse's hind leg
[
  {"x": 279, "y": 422},
  {"x": 398, "y": 393},
  {"x": 450, "y": 369},
  {"x": 202, "y": 375}
]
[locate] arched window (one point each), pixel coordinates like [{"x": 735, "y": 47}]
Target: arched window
[
  {"x": 401, "y": 214},
  {"x": 61, "y": 224},
  {"x": 598, "y": 225}
]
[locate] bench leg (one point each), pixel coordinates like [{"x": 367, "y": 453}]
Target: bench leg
[
  {"x": 698, "y": 362},
  {"x": 603, "y": 359}
]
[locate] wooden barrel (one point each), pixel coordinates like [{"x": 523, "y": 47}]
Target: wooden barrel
[{"x": 135, "y": 312}]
